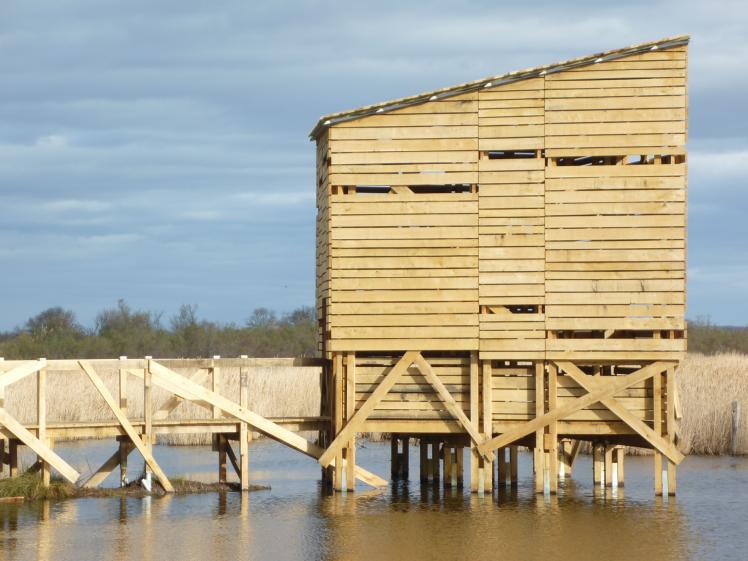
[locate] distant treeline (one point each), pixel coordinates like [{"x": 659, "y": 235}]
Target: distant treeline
[{"x": 55, "y": 333}]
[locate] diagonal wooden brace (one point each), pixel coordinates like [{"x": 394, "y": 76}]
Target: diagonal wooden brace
[
  {"x": 41, "y": 449},
  {"x": 450, "y": 403},
  {"x": 126, "y": 425},
  {"x": 360, "y": 416},
  {"x": 591, "y": 384},
  {"x": 98, "y": 477},
  {"x": 20, "y": 372},
  {"x": 179, "y": 385},
  {"x": 620, "y": 384}
]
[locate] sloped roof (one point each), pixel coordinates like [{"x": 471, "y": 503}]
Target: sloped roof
[{"x": 492, "y": 81}]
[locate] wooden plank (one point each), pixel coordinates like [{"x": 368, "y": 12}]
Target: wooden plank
[
  {"x": 126, "y": 425},
  {"x": 19, "y": 371}
]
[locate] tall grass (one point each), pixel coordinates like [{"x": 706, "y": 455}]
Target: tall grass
[{"x": 707, "y": 386}]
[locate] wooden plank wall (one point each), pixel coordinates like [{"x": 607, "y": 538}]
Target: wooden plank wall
[
  {"x": 556, "y": 260},
  {"x": 323, "y": 240},
  {"x": 512, "y": 255},
  {"x": 413, "y": 397},
  {"x": 404, "y": 263},
  {"x": 615, "y": 230}
]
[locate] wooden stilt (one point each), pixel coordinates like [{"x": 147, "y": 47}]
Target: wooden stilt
[
  {"x": 424, "y": 458},
  {"x": 2, "y": 456},
  {"x": 620, "y": 453},
  {"x": 608, "y": 474},
  {"x": 447, "y": 465},
  {"x": 460, "y": 466},
  {"x": 539, "y": 452},
  {"x": 222, "y": 473},
  {"x": 338, "y": 482},
  {"x": 394, "y": 458},
  {"x": 657, "y": 415},
  {"x": 350, "y": 409},
  {"x": 502, "y": 467},
  {"x": 147, "y": 412},
  {"x": 125, "y": 446},
  {"x": 670, "y": 426},
  {"x": 487, "y": 392},
  {"x": 552, "y": 468},
  {"x": 597, "y": 464},
  {"x": 13, "y": 457},
  {"x": 513, "y": 466},
  {"x": 475, "y": 460},
  {"x": 404, "y": 460}
]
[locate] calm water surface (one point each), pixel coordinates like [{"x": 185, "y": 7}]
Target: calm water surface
[{"x": 296, "y": 520}]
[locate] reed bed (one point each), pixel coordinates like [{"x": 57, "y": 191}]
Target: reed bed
[{"x": 707, "y": 386}]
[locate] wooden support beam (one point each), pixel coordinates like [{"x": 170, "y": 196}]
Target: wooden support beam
[
  {"x": 232, "y": 458},
  {"x": 12, "y": 455},
  {"x": 657, "y": 416},
  {"x": 350, "y": 409},
  {"x": 621, "y": 383},
  {"x": 474, "y": 419},
  {"x": 590, "y": 383},
  {"x": 620, "y": 454},
  {"x": 221, "y": 445},
  {"x": 111, "y": 463},
  {"x": 670, "y": 427},
  {"x": 513, "y": 466},
  {"x": 502, "y": 467},
  {"x": 449, "y": 401},
  {"x": 175, "y": 383},
  {"x": 487, "y": 393},
  {"x": 553, "y": 430},
  {"x": 598, "y": 454},
  {"x": 337, "y": 362},
  {"x": 539, "y": 451},
  {"x": 172, "y": 402},
  {"x": 351, "y": 428},
  {"x": 424, "y": 458},
  {"x": 608, "y": 451},
  {"x": 448, "y": 465},
  {"x": 144, "y": 450},
  {"x": 40, "y": 448}
]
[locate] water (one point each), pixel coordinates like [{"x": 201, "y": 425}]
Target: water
[{"x": 296, "y": 520}]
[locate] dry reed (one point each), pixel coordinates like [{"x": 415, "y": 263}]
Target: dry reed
[{"x": 707, "y": 386}]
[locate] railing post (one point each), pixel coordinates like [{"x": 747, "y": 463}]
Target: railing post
[
  {"x": 41, "y": 418},
  {"x": 148, "y": 415},
  {"x": 123, "y": 442},
  {"x": 244, "y": 428},
  {"x": 216, "y": 383}
]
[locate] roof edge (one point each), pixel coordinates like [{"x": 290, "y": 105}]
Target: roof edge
[{"x": 326, "y": 121}]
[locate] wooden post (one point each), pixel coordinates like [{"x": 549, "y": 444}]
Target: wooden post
[
  {"x": 244, "y": 429},
  {"x": 222, "y": 443},
  {"x": 424, "y": 458},
  {"x": 124, "y": 448},
  {"x": 394, "y": 458},
  {"x": 502, "y": 471},
  {"x": 608, "y": 474},
  {"x": 597, "y": 464},
  {"x": 2, "y": 455},
  {"x": 539, "y": 451},
  {"x": 474, "y": 419},
  {"x": 405, "y": 457},
  {"x": 735, "y": 428},
  {"x": 670, "y": 426},
  {"x": 552, "y": 467},
  {"x": 41, "y": 419},
  {"x": 350, "y": 404},
  {"x": 657, "y": 416},
  {"x": 215, "y": 374},
  {"x": 487, "y": 423},
  {"x": 619, "y": 459},
  {"x": 513, "y": 467},
  {"x": 148, "y": 410},
  {"x": 460, "y": 466},
  {"x": 447, "y": 465},
  {"x": 338, "y": 407},
  {"x": 13, "y": 457}
]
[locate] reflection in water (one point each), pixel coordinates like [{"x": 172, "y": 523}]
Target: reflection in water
[{"x": 409, "y": 520}]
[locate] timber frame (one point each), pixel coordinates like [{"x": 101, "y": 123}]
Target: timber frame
[{"x": 502, "y": 263}]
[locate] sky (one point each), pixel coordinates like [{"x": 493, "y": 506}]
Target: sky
[{"x": 158, "y": 151}]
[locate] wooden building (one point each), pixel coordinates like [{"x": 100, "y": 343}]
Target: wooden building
[{"x": 503, "y": 263}]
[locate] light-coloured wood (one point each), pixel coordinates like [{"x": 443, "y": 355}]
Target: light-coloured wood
[
  {"x": 475, "y": 420},
  {"x": 37, "y": 446},
  {"x": 41, "y": 421},
  {"x": 657, "y": 416},
  {"x": 144, "y": 449},
  {"x": 487, "y": 429},
  {"x": 244, "y": 433},
  {"x": 539, "y": 463}
]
